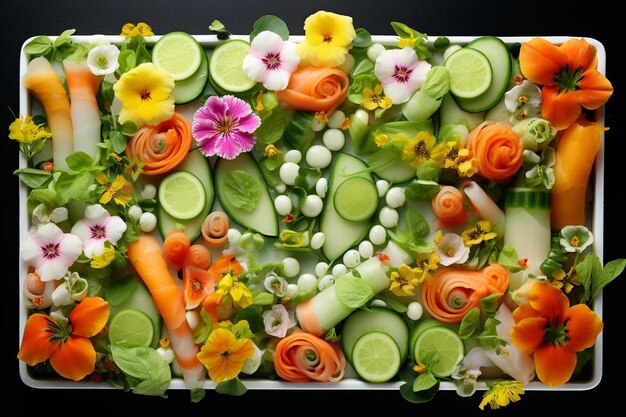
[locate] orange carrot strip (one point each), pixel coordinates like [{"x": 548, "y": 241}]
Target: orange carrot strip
[
  {"x": 198, "y": 256},
  {"x": 294, "y": 362},
  {"x": 448, "y": 206},
  {"x": 175, "y": 248},
  {"x": 163, "y": 147},
  {"x": 215, "y": 229},
  {"x": 315, "y": 89},
  {"x": 497, "y": 148},
  {"x": 575, "y": 154},
  {"x": 453, "y": 292}
]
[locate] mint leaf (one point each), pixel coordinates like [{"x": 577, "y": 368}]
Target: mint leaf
[
  {"x": 307, "y": 178},
  {"x": 41, "y": 45},
  {"x": 424, "y": 381},
  {"x": 71, "y": 187},
  {"x": 428, "y": 171},
  {"x": 271, "y": 23},
  {"x": 252, "y": 316},
  {"x": 587, "y": 269},
  {"x": 611, "y": 271},
  {"x": 272, "y": 128},
  {"x": 242, "y": 190},
  {"x": 363, "y": 39},
  {"x": 421, "y": 190},
  {"x": 32, "y": 177},
  {"x": 117, "y": 291},
  {"x": 415, "y": 224},
  {"x": 231, "y": 387},
  {"x": 352, "y": 292},
  {"x": 470, "y": 323},
  {"x": 197, "y": 395},
  {"x": 143, "y": 364},
  {"x": 489, "y": 304},
  {"x": 509, "y": 258},
  {"x": 79, "y": 161},
  {"x": 156, "y": 387}
]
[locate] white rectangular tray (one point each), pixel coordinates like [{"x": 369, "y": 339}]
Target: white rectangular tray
[{"x": 351, "y": 381}]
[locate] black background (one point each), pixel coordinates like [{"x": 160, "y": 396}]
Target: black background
[{"x": 24, "y": 18}]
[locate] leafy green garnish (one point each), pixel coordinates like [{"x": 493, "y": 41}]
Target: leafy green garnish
[
  {"x": 420, "y": 47},
  {"x": 594, "y": 277},
  {"x": 146, "y": 372},
  {"x": 509, "y": 258},
  {"x": 32, "y": 177},
  {"x": 218, "y": 27},
  {"x": 242, "y": 190},
  {"x": 117, "y": 291},
  {"x": 352, "y": 292},
  {"x": 470, "y": 323},
  {"x": 363, "y": 39},
  {"x": 307, "y": 178},
  {"x": 271, "y": 23},
  {"x": 252, "y": 316},
  {"x": 197, "y": 395},
  {"x": 415, "y": 223},
  {"x": 232, "y": 387},
  {"x": 61, "y": 48}
]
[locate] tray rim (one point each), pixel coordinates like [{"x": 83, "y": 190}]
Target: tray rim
[{"x": 352, "y": 383}]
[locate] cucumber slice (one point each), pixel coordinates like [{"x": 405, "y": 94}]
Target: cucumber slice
[
  {"x": 397, "y": 172},
  {"x": 197, "y": 164},
  {"x": 191, "y": 88},
  {"x": 341, "y": 234},
  {"x": 499, "y": 57},
  {"x": 263, "y": 218},
  {"x": 356, "y": 199},
  {"x": 376, "y": 357},
  {"x": 377, "y": 319},
  {"x": 451, "y": 114}
]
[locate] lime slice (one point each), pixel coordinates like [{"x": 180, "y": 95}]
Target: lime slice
[
  {"x": 376, "y": 357},
  {"x": 356, "y": 199},
  {"x": 179, "y": 54},
  {"x": 131, "y": 328},
  {"x": 182, "y": 195},
  {"x": 226, "y": 67},
  {"x": 470, "y": 73},
  {"x": 441, "y": 347}
]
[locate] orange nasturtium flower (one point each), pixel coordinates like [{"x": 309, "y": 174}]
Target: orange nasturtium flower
[
  {"x": 569, "y": 77},
  {"x": 65, "y": 343},
  {"x": 548, "y": 327}
]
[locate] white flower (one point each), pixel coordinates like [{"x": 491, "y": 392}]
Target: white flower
[
  {"x": 277, "y": 321},
  {"x": 50, "y": 251},
  {"x": 102, "y": 60},
  {"x": 271, "y": 60},
  {"x": 523, "y": 100},
  {"x": 275, "y": 284},
  {"x": 96, "y": 228},
  {"x": 73, "y": 288},
  {"x": 401, "y": 73},
  {"x": 451, "y": 250},
  {"x": 41, "y": 215},
  {"x": 576, "y": 238}
]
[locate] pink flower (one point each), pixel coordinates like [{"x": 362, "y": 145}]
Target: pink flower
[
  {"x": 224, "y": 126},
  {"x": 96, "y": 228},
  {"x": 50, "y": 251},
  {"x": 271, "y": 60},
  {"x": 277, "y": 321},
  {"x": 400, "y": 73}
]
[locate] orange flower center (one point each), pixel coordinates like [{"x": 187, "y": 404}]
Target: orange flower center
[{"x": 575, "y": 241}]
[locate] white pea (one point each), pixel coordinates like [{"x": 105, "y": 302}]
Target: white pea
[
  {"x": 334, "y": 139},
  {"x": 149, "y": 191},
  {"x": 147, "y": 222},
  {"x": 450, "y": 50},
  {"x": 312, "y": 205},
  {"x": 306, "y": 283},
  {"x": 317, "y": 156},
  {"x": 335, "y": 119},
  {"x": 288, "y": 172},
  {"x": 135, "y": 212},
  {"x": 317, "y": 241},
  {"x": 320, "y": 269},
  {"x": 378, "y": 235},
  {"x": 166, "y": 353},
  {"x": 347, "y": 65},
  {"x": 233, "y": 236},
  {"x": 382, "y": 186},
  {"x": 366, "y": 249},
  {"x": 283, "y": 205},
  {"x": 280, "y": 188},
  {"x": 339, "y": 270},
  {"x": 378, "y": 303},
  {"x": 317, "y": 125},
  {"x": 294, "y": 156},
  {"x": 362, "y": 115},
  {"x": 321, "y": 186},
  {"x": 395, "y": 197},
  {"x": 291, "y": 267},
  {"x": 325, "y": 282},
  {"x": 414, "y": 311},
  {"x": 193, "y": 319},
  {"x": 352, "y": 258},
  {"x": 374, "y": 51},
  {"x": 291, "y": 291},
  {"x": 388, "y": 217}
]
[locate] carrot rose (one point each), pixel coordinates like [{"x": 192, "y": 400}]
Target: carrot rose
[
  {"x": 448, "y": 206},
  {"x": 315, "y": 89},
  {"x": 497, "y": 148}
]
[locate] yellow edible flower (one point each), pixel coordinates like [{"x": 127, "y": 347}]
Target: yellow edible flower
[
  {"x": 381, "y": 140},
  {"x": 372, "y": 99},
  {"x": 404, "y": 281},
  {"x": 237, "y": 290},
  {"x": 103, "y": 260},
  {"x": 565, "y": 281},
  {"x": 141, "y": 30},
  {"x": 475, "y": 235},
  {"x": 224, "y": 354},
  {"x": 146, "y": 95},
  {"x": 453, "y": 156},
  {"x": 328, "y": 37},
  {"x": 321, "y": 117},
  {"x": 420, "y": 149},
  {"x": 407, "y": 42},
  {"x": 271, "y": 150},
  {"x": 24, "y": 130},
  {"x": 427, "y": 264},
  {"x": 501, "y": 393},
  {"x": 118, "y": 190}
]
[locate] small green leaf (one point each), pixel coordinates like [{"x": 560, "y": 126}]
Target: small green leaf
[
  {"x": 363, "y": 67},
  {"x": 197, "y": 395},
  {"x": 470, "y": 323},
  {"x": 232, "y": 387},
  {"x": 352, "y": 292},
  {"x": 489, "y": 304},
  {"x": 129, "y": 128},
  {"x": 71, "y": 187},
  {"x": 64, "y": 38},
  {"x": 611, "y": 271},
  {"x": 307, "y": 178},
  {"x": 428, "y": 171},
  {"x": 202, "y": 332},
  {"x": 587, "y": 270},
  {"x": 421, "y": 190},
  {"x": 142, "y": 363},
  {"x": 393, "y": 301},
  {"x": 39, "y": 46},
  {"x": 424, "y": 381},
  {"x": 272, "y": 128},
  {"x": 263, "y": 299},
  {"x": 32, "y": 177},
  {"x": 127, "y": 60},
  {"x": 117, "y": 291},
  {"x": 142, "y": 55},
  {"x": 271, "y": 23},
  {"x": 242, "y": 190},
  {"x": 252, "y": 316},
  {"x": 415, "y": 223},
  {"x": 297, "y": 196},
  {"x": 118, "y": 141},
  {"x": 79, "y": 161},
  {"x": 509, "y": 258},
  {"x": 363, "y": 39},
  {"x": 218, "y": 27},
  {"x": 441, "y": 42}
]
